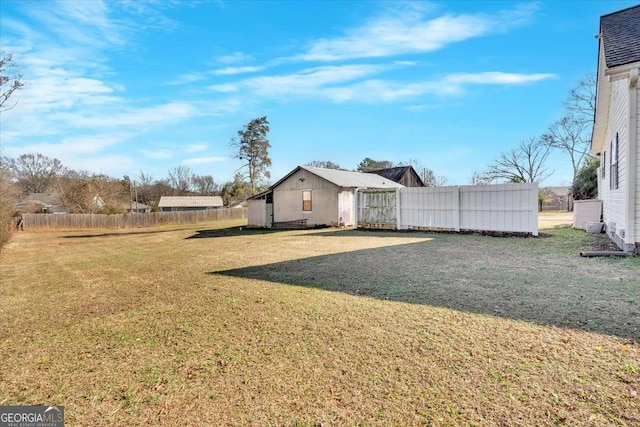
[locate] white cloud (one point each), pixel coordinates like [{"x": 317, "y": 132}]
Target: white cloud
[
  {"x": 496, "y": 77},
  {"x": 110, "y": 164},
  {"x": 159, "y": 154},
  {"x": 421, "y": 107},
  {"x": 238, "y": 70},
  {"x": 352, "y": 83},
  {"x": 409, "y": 31},
  {"x": 80, "y": 145},
  {"x": 139, "y": 117},
  {"x": 204, "y": 160},
  {"x": 187, "y": 78},
  {"x": 234, "y": 58},
  {"x": 453, "y": 84},
  {"x": 225, "y": 88},
  {"x": 406, "y": 63},
  {"x": 195, "y": 148},
  {"x": 304, "y": 82}
]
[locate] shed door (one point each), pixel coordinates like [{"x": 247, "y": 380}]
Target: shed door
[{"x": 269, "y": 213}]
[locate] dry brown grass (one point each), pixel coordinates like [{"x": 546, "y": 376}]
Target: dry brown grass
[
  {"x": 553, "y": 219},
  {"x": 324, "y": 327}
]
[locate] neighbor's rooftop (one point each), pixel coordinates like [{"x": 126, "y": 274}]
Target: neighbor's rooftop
[{"x": 190, "y": 201}]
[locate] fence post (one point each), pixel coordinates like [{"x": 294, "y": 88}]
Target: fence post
[
  {"x": 356, "y": 196},
  {"x": 456, "y": 208},
  {"x": 398, "y": 219},
  {"x": 533, "y": 217}
]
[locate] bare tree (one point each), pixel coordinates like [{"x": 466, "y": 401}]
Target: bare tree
[
  {"x": 480, "y": 178},
  {"x": 9, "y": 81},
  {"x": 8, "y": 195},
  {"x": 324, "y": 164},
  {"x": 428, "y": 177},
  {"x": 581, "y": 101},
  {"x": 570, "y": 135},
  {"x": 204, "y": 185},
  {"x": 522, "y": 164},
  {"x": 83, "y": 192},
  {"x": 144, "y": 183},
  {"x": 181, "y": 179},
  {"x": 34, "y": 172}
]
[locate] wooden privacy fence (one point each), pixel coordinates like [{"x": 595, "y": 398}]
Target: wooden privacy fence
[
  {"x": 503, "y": 208},
  {"x": 130, "y": 220}
]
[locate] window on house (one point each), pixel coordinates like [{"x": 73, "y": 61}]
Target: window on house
[
  {"x": 613, "y": 160},
  {"x": 604, "y": 164},
  {"x": 306, "y": 200}
]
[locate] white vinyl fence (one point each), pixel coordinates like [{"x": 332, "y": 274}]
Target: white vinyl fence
[{"x": 509, "y": 208}]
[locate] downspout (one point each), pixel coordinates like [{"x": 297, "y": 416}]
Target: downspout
[{"x": 632, "y": 169}]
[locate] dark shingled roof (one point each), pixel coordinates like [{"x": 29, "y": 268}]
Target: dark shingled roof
[
  {"x": 621, "y": 36},
  {"x": 394, "y": 174}
]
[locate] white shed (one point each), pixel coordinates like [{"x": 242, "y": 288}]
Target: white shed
[{"x": 313, "y": 196}]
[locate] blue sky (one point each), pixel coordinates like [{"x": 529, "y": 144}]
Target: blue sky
[{"x": 120, "y": 87}]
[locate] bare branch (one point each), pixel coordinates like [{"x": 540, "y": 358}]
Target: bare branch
[
  {"x": 570, "y": 135},
  {"x": 522, "y": 164},
  {"x": 9, "y": 83}
]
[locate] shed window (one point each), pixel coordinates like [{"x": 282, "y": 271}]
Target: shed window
[
  {"x": 306, "y": 200},
  {"x": 613, "y": 159}
]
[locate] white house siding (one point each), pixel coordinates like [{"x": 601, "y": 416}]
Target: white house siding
[
  {"x": 637, "y": 171},
  {"x": 287, "y": 199},
  {"x": 614, "y": 206}
]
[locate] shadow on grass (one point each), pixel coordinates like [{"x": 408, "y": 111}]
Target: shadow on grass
[
  {"x": 233, "y": 231},
  {"x": 119, "y": 234},
  {"x": 311, "y": 232},
  {"x": 446, "y": 275}
]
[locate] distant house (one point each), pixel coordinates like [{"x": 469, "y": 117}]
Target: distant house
[
  {"x": 616, "y": 130},
  {"x": 135, "y": 207},
  {"x": 556, "y": 198},
  {"x": 189, "y": 203},
  {"x": 309, "y": 196},
  {"x": 41, "y": 203},
  {"x": 404, "y": 175}
]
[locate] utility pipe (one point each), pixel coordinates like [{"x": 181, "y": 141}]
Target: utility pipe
[{"x": 604, "y": 253}]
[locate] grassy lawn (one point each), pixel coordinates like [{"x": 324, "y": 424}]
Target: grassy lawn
[{"x": 213, "y": 325}]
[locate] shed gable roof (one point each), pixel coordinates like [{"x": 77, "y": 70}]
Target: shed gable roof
[
  {"x": 397, "y": 173},
  {"x": 352, "y": 179},
  {"x": 190, "y": 201},
  {"x": 620, "y": 33}
]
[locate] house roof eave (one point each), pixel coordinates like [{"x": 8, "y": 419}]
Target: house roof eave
[{"x": 603, "y": 97}]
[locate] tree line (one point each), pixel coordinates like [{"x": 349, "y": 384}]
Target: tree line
[
  {"x": 571, "y": 135},
  {"x": 429, "y": 178}
]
